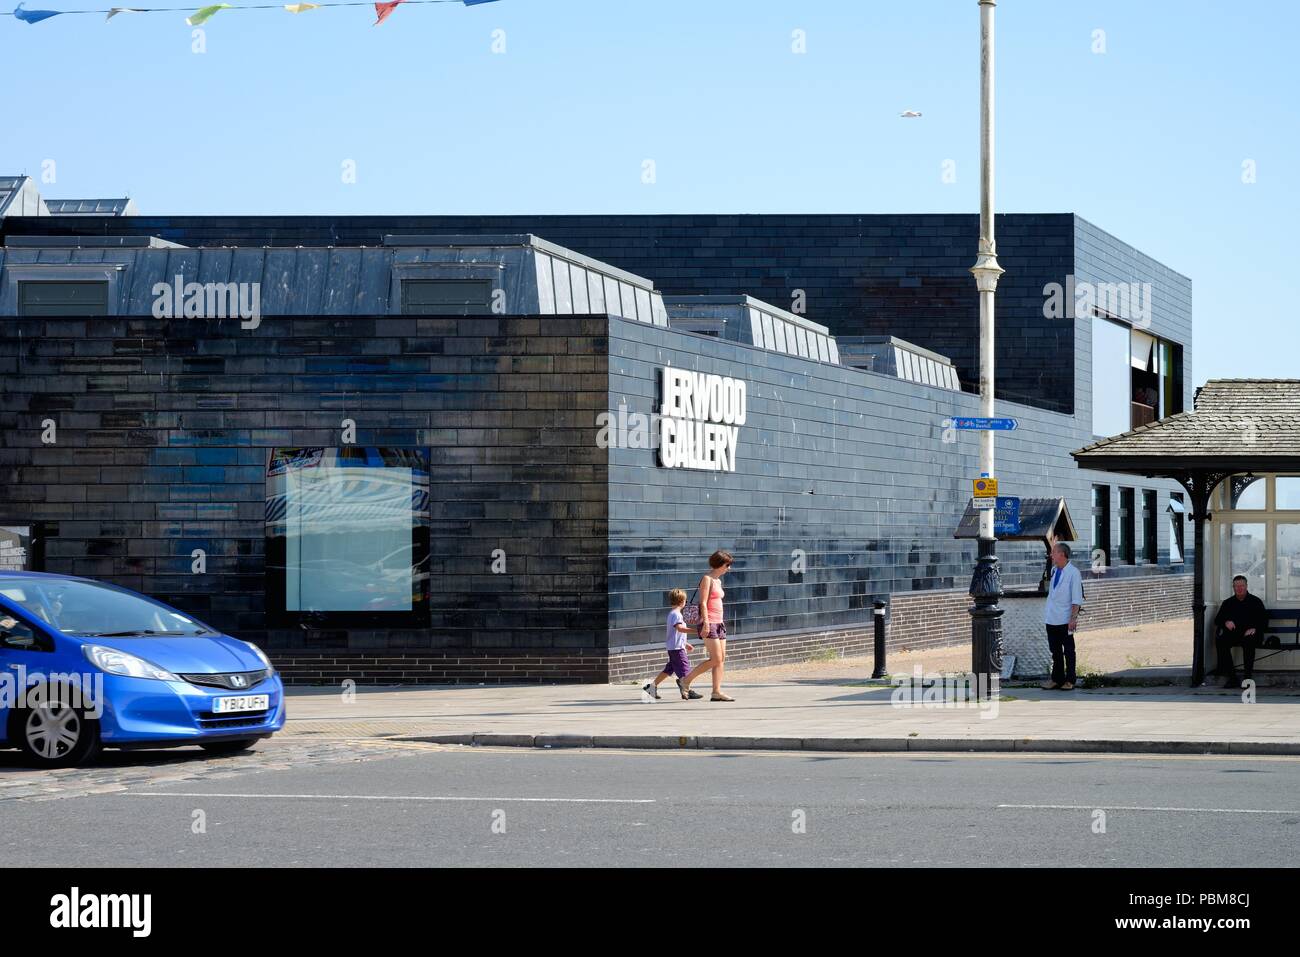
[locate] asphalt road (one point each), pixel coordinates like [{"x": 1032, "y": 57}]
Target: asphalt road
[{"x": 425, "y": 805}]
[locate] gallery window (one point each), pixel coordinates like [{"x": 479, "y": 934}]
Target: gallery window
[
  {"x": 1150, "y": 543},
  {"x": 1101, "y": 522},
  {"x": 347, "y": 536},
  {"x": 1137, "y": 378},
  {"x": 446, "y": 297},
  {"x": 1127, "y": 527},
  {"x": 62, "y": 298},
  {"x": 1177, "y": 527}
]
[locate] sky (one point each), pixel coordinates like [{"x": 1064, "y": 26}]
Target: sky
[{"x": 1171, "y": 124}]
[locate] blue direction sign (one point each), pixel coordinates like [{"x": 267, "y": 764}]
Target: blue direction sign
[
  {"x": 985, "y": 425},
  {"x": 1006, "y": 516}
]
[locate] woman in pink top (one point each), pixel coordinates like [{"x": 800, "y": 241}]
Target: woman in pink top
[{"x": 712, "y": 628}]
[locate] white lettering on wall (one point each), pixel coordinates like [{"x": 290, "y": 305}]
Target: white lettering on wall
[{"x": 700, "y": 419}]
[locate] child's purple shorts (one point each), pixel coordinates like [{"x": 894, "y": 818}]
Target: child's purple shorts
[{"x": 678, "y": 663}]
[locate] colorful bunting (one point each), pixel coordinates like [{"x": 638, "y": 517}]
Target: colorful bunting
[
  {"x": 204, "y": 14},
  {"x": 382, "y": 10},
  {"x": 34, "y": 16}
]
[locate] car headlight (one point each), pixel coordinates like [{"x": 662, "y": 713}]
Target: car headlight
[
  {"x": 120, "y": 663},
  {"x": 261, "y": 654}
]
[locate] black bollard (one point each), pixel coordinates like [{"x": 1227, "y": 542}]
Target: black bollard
[{"x": 879, "y": 612}]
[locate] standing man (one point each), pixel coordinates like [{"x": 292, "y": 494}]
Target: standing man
[
  {"x": 1241, "y": 620},
  {"x": 1061, "y": 616}
]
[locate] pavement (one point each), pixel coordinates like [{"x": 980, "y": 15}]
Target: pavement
[{"x": 810, "y": 715}]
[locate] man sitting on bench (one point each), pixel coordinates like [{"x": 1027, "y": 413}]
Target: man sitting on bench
[{"x": 1241, "y": 620}]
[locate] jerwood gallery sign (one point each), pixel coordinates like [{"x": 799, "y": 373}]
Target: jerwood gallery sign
[{"x": 700, "y": 416}]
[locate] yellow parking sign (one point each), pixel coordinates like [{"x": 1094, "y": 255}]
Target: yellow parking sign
[{"x": 986, "y": 487}]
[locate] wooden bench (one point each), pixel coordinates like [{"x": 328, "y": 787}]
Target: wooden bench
[{"x": 1287, "y": 634}]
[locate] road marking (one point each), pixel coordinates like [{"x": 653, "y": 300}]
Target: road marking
[
  {"x": 1103, "y": 807},
  {"x": 389, "y": 797}
]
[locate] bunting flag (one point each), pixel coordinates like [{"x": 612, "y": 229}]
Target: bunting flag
[
  {"x": 204, "y": 14},
  {"x": 382, "y": 10},
  {"x": 34, "y": 16}
]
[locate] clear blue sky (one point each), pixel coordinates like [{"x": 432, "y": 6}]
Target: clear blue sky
[{"x": 1146, "y": 140}]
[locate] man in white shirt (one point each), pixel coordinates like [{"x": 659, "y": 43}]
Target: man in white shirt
[{"x": 1061, "y": 616}]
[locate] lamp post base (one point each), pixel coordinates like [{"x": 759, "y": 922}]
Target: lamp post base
[{"x": 986, "y": 614}]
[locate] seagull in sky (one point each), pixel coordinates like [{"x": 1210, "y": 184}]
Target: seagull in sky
[{"x": 909, "y": 114}]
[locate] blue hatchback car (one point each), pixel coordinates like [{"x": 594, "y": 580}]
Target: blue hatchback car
[{"x": 86, "y": 665}]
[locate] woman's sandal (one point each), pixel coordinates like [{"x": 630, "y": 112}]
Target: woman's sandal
[{"x": 721, "y": 697}]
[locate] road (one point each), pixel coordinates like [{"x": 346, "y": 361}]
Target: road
[{"x": 386, "y": 802}]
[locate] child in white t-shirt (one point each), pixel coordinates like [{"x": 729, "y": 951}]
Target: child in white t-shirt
[{"x": 675, "y": 641}]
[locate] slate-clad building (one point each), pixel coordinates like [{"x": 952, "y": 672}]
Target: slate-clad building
[{"x": 424, "y": 448}]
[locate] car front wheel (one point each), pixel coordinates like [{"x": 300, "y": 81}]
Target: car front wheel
[
  {"x": 228, "y": 747},
  {"x": 56, "y": 735}
]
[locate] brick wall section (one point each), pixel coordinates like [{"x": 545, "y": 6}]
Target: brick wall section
[
  {"x": 1134, "y": 601},
  {"x": 418, "y": 668},
  {"x": 752, "y": 652},
  {"x": 920, "y": 620},
  {"x": 939, "y": 619}
]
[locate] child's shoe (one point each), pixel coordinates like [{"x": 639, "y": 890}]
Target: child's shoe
[{"x": 651, "y": 690}]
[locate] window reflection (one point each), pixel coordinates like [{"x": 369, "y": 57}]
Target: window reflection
[
  {"x": 1287, "y": 492},
  {"x": 1248, "y": 493},
  {"x": 347, "y": 530},
  {"x": 1288, "y": 564},
  {"x": 1110, "y": 377},
  {"x": 1243, "y": 553}
]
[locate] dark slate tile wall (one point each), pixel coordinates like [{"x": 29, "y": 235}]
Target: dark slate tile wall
[
  {"x": 883, "y": 274},
  {"x": 849, "y": 466},
  {"x": 164, "y": 428}
]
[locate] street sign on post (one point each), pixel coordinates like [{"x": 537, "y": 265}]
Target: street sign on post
[
  {"x": 1006, "y": 515},
  {"x": 985, "y": 487},
  {"x": 984, "y": 425}
]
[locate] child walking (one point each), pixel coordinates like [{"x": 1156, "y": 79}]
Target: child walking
[{"x": 675, "y": 641}]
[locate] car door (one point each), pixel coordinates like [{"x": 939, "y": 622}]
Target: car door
[{"x": 26, "y": 656}]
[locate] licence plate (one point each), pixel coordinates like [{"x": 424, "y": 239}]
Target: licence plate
[{"x": 247, "y": 702}]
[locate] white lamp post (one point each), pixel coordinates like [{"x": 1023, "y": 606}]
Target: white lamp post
[{"x": 986, "y": 584}]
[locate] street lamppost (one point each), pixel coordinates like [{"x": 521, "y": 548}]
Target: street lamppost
[{"x": 986, "y": 583}]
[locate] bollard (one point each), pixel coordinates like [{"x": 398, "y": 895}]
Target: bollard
[{"x": 879, "y": 612}]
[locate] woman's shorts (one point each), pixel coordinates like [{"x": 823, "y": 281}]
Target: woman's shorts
[{"x": 717, "y": 631}]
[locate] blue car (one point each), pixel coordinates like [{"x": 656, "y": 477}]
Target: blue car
[{"x": 86, "y": 665}]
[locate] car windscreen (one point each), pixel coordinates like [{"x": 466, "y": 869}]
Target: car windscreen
[{"x": 89, "y": 609}]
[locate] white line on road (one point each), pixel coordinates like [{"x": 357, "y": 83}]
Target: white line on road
[
  {"x": 389, "y": 797},
  {"x": 1103, "y": 807}
]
